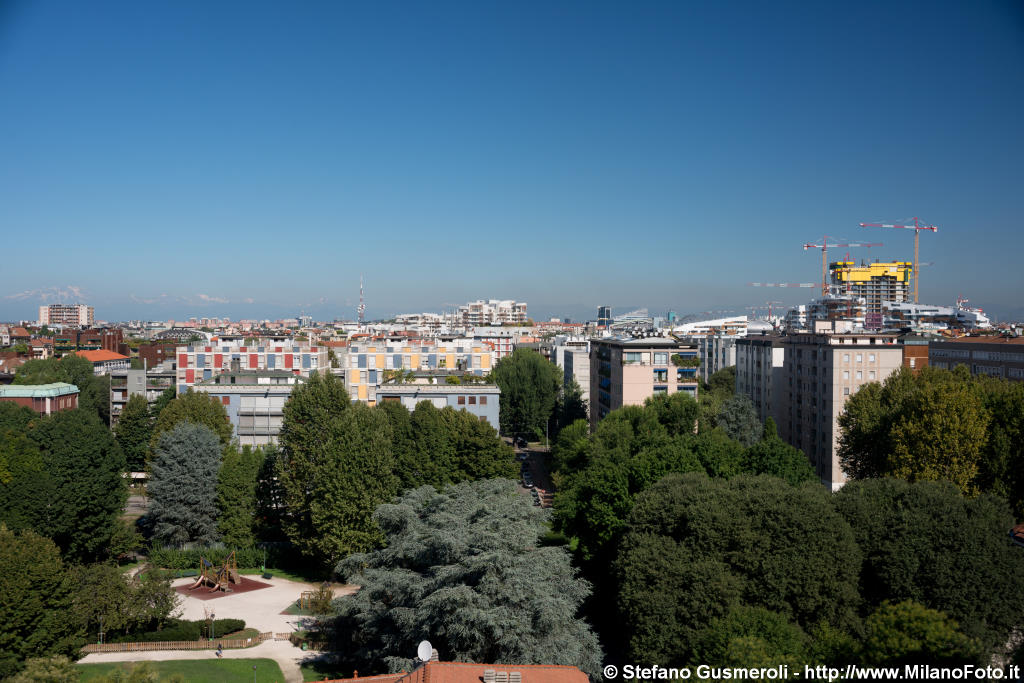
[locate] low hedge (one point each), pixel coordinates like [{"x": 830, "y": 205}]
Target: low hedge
[
  {"x": 182, "y": 629},
  {"x": 168, "y": 558}
]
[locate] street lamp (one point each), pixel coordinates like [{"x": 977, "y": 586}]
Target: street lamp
[{"x": 213, "y": 626}]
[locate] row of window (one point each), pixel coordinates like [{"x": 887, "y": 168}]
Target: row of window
[{"x": 462, "y": 400}]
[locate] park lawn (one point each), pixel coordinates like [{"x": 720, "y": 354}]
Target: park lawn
[
  {"x": 318, "y": 670},
  {"x": 306, "y": 577},
  {"x": 199, "y": 670}
]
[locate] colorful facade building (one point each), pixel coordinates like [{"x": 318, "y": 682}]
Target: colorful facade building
[
  {"x": 198, "y": 363},
  {"x": 374, "y": 361}
]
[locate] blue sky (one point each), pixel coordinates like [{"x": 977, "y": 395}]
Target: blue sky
[{"x": 253, "y": 158}]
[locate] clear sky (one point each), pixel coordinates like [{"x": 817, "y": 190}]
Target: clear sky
[{"x": 251, "y": 159}]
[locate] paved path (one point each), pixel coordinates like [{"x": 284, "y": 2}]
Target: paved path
[{"x": 261, "y": 609}]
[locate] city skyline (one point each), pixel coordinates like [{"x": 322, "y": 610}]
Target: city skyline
[{"x": 252, "y": 160}]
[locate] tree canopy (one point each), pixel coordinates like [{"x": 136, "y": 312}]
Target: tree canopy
[
  {"x": 926, "y": 542},
  {"x": 530, "y": 385},
  {"x": 336, "y": 466},
  {"x": 698, "y": 548},
  {"x": 195, "y": 407},
  {"x": 35, "y": 594},
  {"x": 937, "y": 425},
  {"x": 134, "y": 430},
  {"x": 183, "y": 485},
  {"x": 236, "y": 496},
  {"x": 464, "y": 565},
  {"x": 93, "y": 390}
]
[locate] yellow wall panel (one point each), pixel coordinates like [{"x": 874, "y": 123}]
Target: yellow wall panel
[
  {"x": 380, "y": 361},
  {"x": 485, "y": 360},
  {"x": 362, "y": 392},
  {"x": 415, "y": 361},
  {"x": 450, "y": 360}
]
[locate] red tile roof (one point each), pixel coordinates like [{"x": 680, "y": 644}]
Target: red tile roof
[
  {"x": 461, "y": 672},
  {"x": 99, "y": 356},
  {"x": 20, "y": 332}
]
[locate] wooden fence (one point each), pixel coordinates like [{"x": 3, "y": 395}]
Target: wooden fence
[{"x": 177, "y": 645}]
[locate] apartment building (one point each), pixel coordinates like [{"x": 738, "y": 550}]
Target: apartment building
[
  {"x": 373, "y": 361},
  {"x": 73, "y": 315},
  {"x": 492, "y": 312},
  {"x": 874, "y": 282},
  {"x": 480, "y": 400},
  {"x": 105, "y": 362},
  {"x": 150, "y": 383},
  {"x": 572, "y": 355},
  {"x": 254, "y": 401},
  {"x": 994, "y": 356},
  {"x": 819, "y": 374},
  {"x": 629, "y": 371},
  {"x": 716, "y": 352},
  {"x": 198, "y": 363},
  {"x": 759, "y": 362}
]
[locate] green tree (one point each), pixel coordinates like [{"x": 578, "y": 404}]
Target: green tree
[
  {"x": 93, "y": 390},
  {"x": 269, "y": 498},
  {"x": 195, "y": 407},
  {"x": 104, "y": 598},
  {"x": 698, "y": 548},
  {"x": 82, "y": 470},
  {"x": 1001, "y": 466},
  {"x": 335, "y": 467},
  {"x": 928, "y": 426},
  {"x": 678, "y": 413},
  {"x": 925, "y": 542},
  {"x": 35, "y": 594},
  {"x": 571, "y": 405},
  {"x": 465, "y": 566},
  {"x": 739, "y": 419},
  {"x": 529, "y": 388},
  {"x": 771, "y": 455},
  {"x": 55, "y": 669},
  {"x": 134, "y": 430},
  {"x": 907, "y": 632},
  {"x": 752, "y": 636},
  {"x": 183, "y": 485},
  {"x": 168, "y": 395},
  {"x": 236, "y": 496}
]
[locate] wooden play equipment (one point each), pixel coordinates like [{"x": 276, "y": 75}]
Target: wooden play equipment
[
  {"x": 219, "y": 578},
  {"x": 306, "y": 599}
]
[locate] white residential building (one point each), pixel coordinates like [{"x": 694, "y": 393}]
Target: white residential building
[
  {"x": 492, "y": 312},
  {"x": 72, "y": 315}
]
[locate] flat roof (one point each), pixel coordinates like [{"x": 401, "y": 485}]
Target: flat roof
[
  {"x": 438, "y": 389},
  {"x": 994, "y": 339},
  {"x": 37, "y": 390}
]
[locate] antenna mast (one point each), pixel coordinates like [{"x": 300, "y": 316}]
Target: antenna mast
[{"x": 362, "y": 304}]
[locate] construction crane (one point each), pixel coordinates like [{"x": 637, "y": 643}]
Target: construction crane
[
  {"x": 824, "y": 256},
  {"x": 780, "y": 284},
  {"x": 917, "y": 228}
]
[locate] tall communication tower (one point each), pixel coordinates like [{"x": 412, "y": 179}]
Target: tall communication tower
[{"x": 362, "y": 304}]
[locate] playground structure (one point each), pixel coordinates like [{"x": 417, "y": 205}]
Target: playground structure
[
  {"x": 219, "y": 578},
  {"x": 306, "y": 599}
]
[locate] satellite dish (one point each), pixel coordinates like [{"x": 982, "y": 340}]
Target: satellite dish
[{"x": 424, "y": 650}]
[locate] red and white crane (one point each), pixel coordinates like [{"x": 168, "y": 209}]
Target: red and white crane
[
  {"x": 825, "y": 244},
  {"x": 917, "y": 228},
  {"x": 780, "y": 284}
]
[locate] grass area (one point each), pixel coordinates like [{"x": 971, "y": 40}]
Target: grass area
[
  {"x": 319, "y": 669},
  {"x": 293, "y": 609},
  {"x": 309, "y": 576},
  {"x": 198, "y": 670},
  {"x": 241, "y": 635}
]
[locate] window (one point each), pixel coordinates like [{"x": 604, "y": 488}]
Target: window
[
  {"x": 225, "y": 400},
  {"x": 846, "y": 391},
  {"x": 871, "y": 358},
  {"x": 846, "y": 374},
  {"x": 860, "y": 374},
  {"x": 846, "y": 358},
  {"x": 661, "y": 357},
  {"x": 483, "y": 400},
  {"x": 472, "y": 400},
  {"x": 860, "y": 358},
  {"x": 462, "y": 400},
  {"x": 871, "y": 374},
  {"x": 661, "y": 375}
]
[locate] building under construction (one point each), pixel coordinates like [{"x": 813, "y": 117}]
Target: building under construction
[{"x": 874, "y": 282}]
